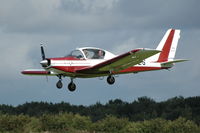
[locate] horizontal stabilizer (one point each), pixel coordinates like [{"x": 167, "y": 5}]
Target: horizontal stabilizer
[{"x": 173, "y": 61}]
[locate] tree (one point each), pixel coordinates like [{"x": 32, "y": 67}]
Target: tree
[
  {"x": 110, "y": 124},
  {"x": 12, "y": 123},
  {"x": 181, "y": 125}
]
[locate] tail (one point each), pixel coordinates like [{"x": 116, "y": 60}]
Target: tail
[{"x": 168, "y": 46}]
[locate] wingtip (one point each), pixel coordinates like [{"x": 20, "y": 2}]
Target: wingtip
[
  {"x": 185, "y": 60},
  {"x": 22, "y": 72}
]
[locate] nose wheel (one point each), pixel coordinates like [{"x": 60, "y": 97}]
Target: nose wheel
[
  {"x": 59, "y": 84},
  {"x": 111, "y": 80},
  {"x": 71, "y": 85}
]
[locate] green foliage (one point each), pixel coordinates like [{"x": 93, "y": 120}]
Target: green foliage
[
  {"x": 53, "y": 123},
  {"x": 81, "y": 122},
  {"x": 34, "y": 126},
  {"x": 64, "y": 122},
  {"x": 67, "y": 122},
  {"x": 181, "y": 125},
  {"x": 147, "y": 126},
  {"x": 144, "y": 115},
  {"x": 12, "y": 123},
  {"x": 110, "y": 124},
  {"x": 143, "y": 108}
]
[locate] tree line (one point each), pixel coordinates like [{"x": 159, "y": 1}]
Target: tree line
[
  {"x": 143, "y": 108},
  {"x": 115, "y": 116},
  {"x": 75, "y": 123}
]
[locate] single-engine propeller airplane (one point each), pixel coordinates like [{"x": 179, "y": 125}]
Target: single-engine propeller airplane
[{"x": 90, "y": 62}]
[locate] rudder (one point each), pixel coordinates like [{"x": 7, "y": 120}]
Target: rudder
[{"x": 168, "y": 45}]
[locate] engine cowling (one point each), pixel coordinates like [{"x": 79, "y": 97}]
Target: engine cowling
[{"x": 45, "y": 63}]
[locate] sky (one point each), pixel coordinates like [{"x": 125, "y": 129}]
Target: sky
[{"x": 115, "y": 25}]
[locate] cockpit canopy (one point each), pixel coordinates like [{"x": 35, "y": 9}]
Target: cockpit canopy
[
  {"x": 94, "y": 53},
  {"x": 89, "y": 53},
  {"x": 77, "y": 54}
]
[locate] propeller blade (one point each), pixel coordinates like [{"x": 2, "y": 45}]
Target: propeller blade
[{"x": 42, "y": 52}]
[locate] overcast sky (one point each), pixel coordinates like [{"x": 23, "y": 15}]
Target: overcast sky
[{"x": 115, "y": 25}]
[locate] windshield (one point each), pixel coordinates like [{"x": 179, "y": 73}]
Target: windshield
[
  {"x": 94, "y": 53},
  {"x": 76, "y": 53}
]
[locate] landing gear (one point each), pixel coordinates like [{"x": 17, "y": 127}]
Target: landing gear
[
  {"x": 71, "y": 86},
  {"x": 59, "y": 84},
  {"x": 111, "y": 80}
]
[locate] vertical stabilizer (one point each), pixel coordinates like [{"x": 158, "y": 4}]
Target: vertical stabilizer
[{"x": 168, "y": 45}]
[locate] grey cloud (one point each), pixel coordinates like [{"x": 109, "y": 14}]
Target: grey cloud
[
  {"x": 89, "y": 16},
  {"x": 88, "y": 6},
  {"x": 159, "y": 14}
]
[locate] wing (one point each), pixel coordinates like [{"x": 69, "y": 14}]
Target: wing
[
  {"x": 121, "y": 62},
  {"x": 38, "y": 72}
]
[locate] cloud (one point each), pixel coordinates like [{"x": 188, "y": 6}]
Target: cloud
[
  {"x": 88, "y": 6},
  {"x": 159, "y": 14},
  {"x": 55, "y": 16},
  {"x": 126, "y": 46},
  {"x": 14, "y": 55},
  {"x": 61, "y": 16}
]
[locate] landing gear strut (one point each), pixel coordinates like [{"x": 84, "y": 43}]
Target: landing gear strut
[
  {"x": 59, "y": 84},
  {"x": 71, "y": 86},
  {"x": 111, "y": 80}
]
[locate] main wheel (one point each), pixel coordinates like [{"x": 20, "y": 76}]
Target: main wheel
[
  {"x": 72, "y": 87},
  {"x": 59, "y": 84},
  {"x": 111, "y": 80}
]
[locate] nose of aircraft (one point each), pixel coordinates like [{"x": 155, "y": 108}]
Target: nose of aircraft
[{"x": 44, "y": 63}]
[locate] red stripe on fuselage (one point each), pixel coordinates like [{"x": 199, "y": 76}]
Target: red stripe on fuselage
[
  {"x": 71, "y": 69},
  {"x": 66, "y": 58},
  {"x": 166, "y": 48}
]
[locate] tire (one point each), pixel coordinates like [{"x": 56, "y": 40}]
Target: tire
[
  {"x": 59, "y": 84},
  {"x": 111, "y": 80},
  {"x": 72, "y": 87}
]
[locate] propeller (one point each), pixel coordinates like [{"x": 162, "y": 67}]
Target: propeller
[
  {"x": 45, "y": 62},
  {"x": 42, "y": 52}
]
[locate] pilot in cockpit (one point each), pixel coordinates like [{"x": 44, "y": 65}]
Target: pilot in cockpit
[
  {"x": 86, "y": 53},
  {"x": 101, "y": 54}
]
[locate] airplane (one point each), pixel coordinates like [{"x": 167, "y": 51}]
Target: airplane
[{"x": 91, "y": 62}]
